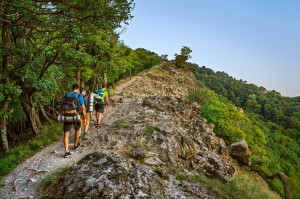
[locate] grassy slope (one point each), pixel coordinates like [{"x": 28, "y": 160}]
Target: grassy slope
[{"x": 23, "y": 151}]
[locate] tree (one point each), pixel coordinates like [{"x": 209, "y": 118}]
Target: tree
[
  {"x": 186, "y": 51},
  {"x": 180, "y": 60}
]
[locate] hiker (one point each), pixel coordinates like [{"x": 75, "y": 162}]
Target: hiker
[
  {"x": 99, "y": 105},
  {"x": 87, "y": 119},
  {"x": 73, "y": 103}
]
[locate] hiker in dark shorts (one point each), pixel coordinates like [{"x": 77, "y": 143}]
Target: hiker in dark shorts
[
  {"x": 79, "y": 103},
  {"x": 99, "y": 105}
]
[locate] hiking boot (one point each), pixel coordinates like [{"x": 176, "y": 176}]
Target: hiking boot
[
  {"x": 85, "y": 136},
  {"x": 77, "y": 147},
  {"x": 68, "y": 154}
]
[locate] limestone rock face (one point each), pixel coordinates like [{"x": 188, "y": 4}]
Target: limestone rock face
[
  {"x": 240, "y": 152},
  {"x": 188, "y": 148},
  {"x": 100, "y": 175},
  {"x": 216, "y": 144},
  {"x": 215, "y": 166}
]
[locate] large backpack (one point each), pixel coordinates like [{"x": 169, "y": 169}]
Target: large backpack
[
  {"x": 71, "y": 104},
  {"x": 100, "y": 92}
]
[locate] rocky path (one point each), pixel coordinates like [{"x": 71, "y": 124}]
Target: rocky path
[
  {"x": 23, "y": 181},
  {"x": 122, "y": 87}
]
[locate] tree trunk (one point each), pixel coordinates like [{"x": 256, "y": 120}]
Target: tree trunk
[
  {"x": 21, "y": 127},
  {"x": 34, "y": 120},
  {"x": 99, "y": 83},
  {"x": 4, "y": 140},
  {"x": 5, "y": 103},
  {"x": 286, "y": 185},
  {"x": 93, "y": 86},
  {"x": 44, "y": 113},
  {"x": 24, "y": 107},
  {"x": 78, "y": 75},
  {"x": 105, "y": 80},
  {"x": 34, "y": 116},
  {"x": 283, "y": 179},
  {"x": 82, "y": 83}
]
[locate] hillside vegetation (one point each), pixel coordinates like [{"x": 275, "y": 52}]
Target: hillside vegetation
[
  {"x": 269, "y": 122},
  {"x": 47, "y": 46}
]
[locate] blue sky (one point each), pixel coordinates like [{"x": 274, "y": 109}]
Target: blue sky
[{"x": 257, "y": 41}]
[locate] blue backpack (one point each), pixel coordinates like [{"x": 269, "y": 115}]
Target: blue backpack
[{"x": 71, "y": 104}]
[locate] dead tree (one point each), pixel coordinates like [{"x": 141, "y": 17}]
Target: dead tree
[
  {"x": 283, "y": 179},
  {"x": 44, "y": 113}
]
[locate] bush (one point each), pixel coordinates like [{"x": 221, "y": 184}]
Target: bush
[{"x": 180, "y": 61}]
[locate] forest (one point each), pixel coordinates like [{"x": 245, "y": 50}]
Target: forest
[
  {"x": 46, "y": 47},
  {"x": 269, "y": 122}
]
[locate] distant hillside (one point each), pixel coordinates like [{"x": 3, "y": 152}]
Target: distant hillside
[{"x": 277, "y": 117}]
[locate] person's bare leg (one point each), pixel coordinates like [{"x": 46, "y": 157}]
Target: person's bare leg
[
  {"x": 97, "y": 115},
  {"x": 86, "y": 128},
  {"x": 77, "y": 135},
  {"x": 66, "y": 141},
  {"x": 99, "y": 118}
]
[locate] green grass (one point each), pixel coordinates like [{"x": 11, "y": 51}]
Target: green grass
[
  {"x": 241, "y": 187},
  {"x": 122, "y": 123},
  {"x": 165, "y": 158},
  {"x": 142, "y": 117},
  {"x": 147, "y": 148},
  {"x": 50, "y": 179},
  {"x": 135, "y": 144},
  {"x": 198, "y": 178},
  {"x": 151, "y": 128},
  {"x": 20, "y": 153},
  {"x": 179, "y": 177},
  {"x": 126, "y": 123},
  {"x": 159, "y": 71},
  {"x": 177, "y": 166}
]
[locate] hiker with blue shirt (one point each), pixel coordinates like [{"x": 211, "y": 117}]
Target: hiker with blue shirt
[
  {"x": 73, "y": 104},
  {"x": 99, "y": 105}
]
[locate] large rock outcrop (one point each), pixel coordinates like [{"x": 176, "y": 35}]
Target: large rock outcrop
[
  {"x": 106, "y": 176},
  {"x": 240, "y": 152},
  {"x": 214, "y": 165}
]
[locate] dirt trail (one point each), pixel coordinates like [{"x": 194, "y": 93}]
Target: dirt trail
[
  {"x": 23, "y": 181},
  {"x": 121, "y": 88}
]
